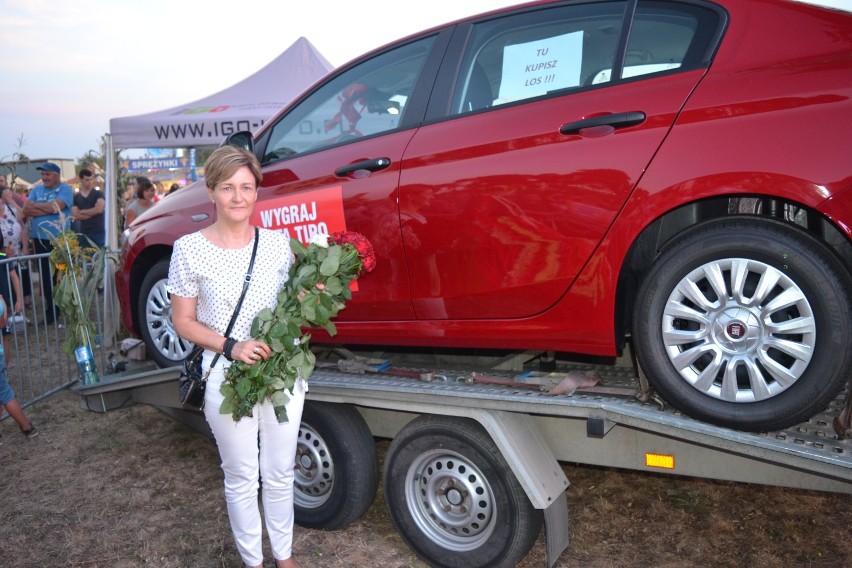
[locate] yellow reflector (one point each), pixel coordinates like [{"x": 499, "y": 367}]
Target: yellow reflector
[{"x": 660, "y": 461}]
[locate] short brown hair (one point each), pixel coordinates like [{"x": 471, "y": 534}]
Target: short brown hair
[
  {"x": 224, "y": 163},
  {"x": 142, "y": 183}
]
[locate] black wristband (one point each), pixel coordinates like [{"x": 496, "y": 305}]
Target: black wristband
[{"x": 229, "y": 345}]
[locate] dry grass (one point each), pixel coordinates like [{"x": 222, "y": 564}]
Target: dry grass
[{"x": 134, "y": 488}]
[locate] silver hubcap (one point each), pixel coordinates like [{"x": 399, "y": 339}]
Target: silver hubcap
[
  {"x": 450, "y": 500},
  {"x": 158, "y": 318},
  {"x": 314, "y": 474},
  {"x": 739, "y": 330}
]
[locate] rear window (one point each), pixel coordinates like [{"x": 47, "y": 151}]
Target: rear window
[{"x": 556, "y": 50}]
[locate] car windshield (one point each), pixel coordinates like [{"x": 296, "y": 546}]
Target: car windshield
[{"x": 363, "y": 101}]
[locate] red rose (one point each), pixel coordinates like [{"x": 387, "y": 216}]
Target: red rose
[{"x": 365, "y": 250}]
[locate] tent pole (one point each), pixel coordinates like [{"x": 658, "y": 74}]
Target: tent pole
[{"x": 111, "y": 195}]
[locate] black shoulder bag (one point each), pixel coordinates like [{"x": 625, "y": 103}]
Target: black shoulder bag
[{"x": 192, "y": 382}]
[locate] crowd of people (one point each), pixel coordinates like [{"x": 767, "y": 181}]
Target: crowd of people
[{"x": 29, "y": 222}]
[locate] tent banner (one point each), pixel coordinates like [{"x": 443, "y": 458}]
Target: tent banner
[{"x": 156, "y": 164}]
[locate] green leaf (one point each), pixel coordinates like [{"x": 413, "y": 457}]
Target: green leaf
[
  {"x": 329, "y": 265},
  {"x": 309, "y": 309},
  {"x": 297, "y": 360},
  {"x": 294, "y": 330},
  {"x": 281, "y": 414},
  {"x": 323, "y": 314},
  {"x": 280, "y": 398},
  {"x": 331, "y": 328},
  {"x": 310, "y": 363},
  {"x": 306, "y": 271},
  {"x": 243, "y": 387},
  {"x": 278, "y": 330},
  {"x": 326, "y": 301},
  {"x": 297, "y": 247}
]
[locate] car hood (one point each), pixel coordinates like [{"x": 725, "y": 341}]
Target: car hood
[{"x": 185, "y": 202}]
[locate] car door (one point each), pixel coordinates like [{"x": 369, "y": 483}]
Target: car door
[
  {"x": 332, "y": 162},
  {"x": 540, "y": 128}
]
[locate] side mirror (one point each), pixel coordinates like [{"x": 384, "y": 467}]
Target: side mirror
[{"x": 242, "y": 139}]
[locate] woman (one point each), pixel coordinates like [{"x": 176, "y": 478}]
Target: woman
[
  {"x": 144, "y": 199},
  {"x": 205, "y": 281},
  {"x": 17, "y": 241}
]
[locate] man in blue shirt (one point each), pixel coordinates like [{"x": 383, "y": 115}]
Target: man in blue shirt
[{"x": 49, "y": 208}]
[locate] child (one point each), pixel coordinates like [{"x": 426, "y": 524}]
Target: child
[{"x": 7, "y": 395}]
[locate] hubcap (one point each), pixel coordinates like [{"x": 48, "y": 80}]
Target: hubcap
[
  {"x": 314, "y": 473},
  {"x": 450, "y": 500},
  {"x": 739, "y": 330},
  {"x": 158, "y": 319}
]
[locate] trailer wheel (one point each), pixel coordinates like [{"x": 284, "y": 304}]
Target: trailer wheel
[
  {"x": 162, "y": 342},
  {"x": 454, "y": 499},
  {"x": 337, "y": 471},
  {"x": 745, "y": 324}
]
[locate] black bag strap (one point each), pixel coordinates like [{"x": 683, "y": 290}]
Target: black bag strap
[{"x": 246, "y": 283}]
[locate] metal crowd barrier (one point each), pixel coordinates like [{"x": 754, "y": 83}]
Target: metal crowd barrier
[{"x": 36, "y": 365}]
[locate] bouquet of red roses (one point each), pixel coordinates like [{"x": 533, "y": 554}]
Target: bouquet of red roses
[{"x": 316, "y": 291}]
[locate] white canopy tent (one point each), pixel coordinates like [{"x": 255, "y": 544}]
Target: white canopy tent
[{"x": 243, "y": 106}]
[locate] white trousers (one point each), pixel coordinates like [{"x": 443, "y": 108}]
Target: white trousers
[{"x": 245, "y": 464}]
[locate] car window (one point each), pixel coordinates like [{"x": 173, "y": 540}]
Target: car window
[
  {"x": 367, "y": 99},
  {"x": 531, "y": 54},
  {"x": 551, "y": 50},
  {"x": 665, "y": 36}
]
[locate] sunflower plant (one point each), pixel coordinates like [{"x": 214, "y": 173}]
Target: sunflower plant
[
  {"x": 77, "y": 271},
  {"x": 317, "y": 289}
]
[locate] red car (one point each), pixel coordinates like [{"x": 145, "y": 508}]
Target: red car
[{"x": 576, "y": 177}]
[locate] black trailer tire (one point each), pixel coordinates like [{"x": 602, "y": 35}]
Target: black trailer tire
[
  {"x": 453, "y": 497},
  {"x": 745, "y": 324},
  {"x": 337, "y": 471},
  {"x": 154, "y": 311}
]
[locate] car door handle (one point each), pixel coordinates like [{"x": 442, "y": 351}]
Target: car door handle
[
  {"x": 615, "y": 120},
  {"x": 374, "y": 165}
]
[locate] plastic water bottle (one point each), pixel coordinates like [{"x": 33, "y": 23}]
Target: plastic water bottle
[{"x": 86, "y": 365}]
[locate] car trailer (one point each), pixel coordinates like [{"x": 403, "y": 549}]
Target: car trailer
[{"x": 473, "y": 467}]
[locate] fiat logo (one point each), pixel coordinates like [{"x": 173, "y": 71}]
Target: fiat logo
[{"x": 736, "y": 330}]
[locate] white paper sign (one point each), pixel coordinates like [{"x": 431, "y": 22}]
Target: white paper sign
[{"x": 534, "y": 68}]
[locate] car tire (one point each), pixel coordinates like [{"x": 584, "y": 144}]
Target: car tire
[
  {"x": 454, "y": 499},
  {"x": 745, "y": 324},
  {"x": 337, "y": 471},
  {"x": 154, "y": 310}
]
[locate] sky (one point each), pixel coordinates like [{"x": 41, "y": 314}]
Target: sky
[{"x": 68, "y": 67}]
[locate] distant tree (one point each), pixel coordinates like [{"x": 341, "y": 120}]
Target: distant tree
[
  {"x": 11, "y": 163},
  {"x": 91, "y": 158}
]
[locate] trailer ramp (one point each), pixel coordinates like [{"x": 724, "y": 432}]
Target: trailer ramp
[{"x": 585, "y": 427}]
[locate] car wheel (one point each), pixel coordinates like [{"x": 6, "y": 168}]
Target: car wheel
[
  {"x": 162, "y": 342},
  {"x": 454, "y": 499},
  {"x": 745, "y": 324},
  {"x": 337, "y": 471}
]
